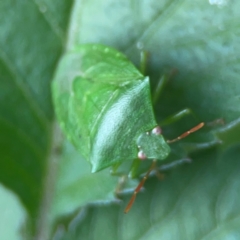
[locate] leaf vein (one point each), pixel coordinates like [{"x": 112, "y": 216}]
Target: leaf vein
[
  {"x": 24, "y": 90},
  {"x": 50, "y": 20}
]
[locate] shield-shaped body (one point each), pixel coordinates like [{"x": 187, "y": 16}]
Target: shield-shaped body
[{"x": 103, "y": 104}]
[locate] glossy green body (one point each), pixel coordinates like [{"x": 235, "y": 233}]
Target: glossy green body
[{"x": 103, "y": 104}]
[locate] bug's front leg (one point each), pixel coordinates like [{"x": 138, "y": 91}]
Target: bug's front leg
[
  {"x": 120, "y": 186},
  {"x": 144, "y": 56},
  {"x": 126, "y": 183},
  {"x": 177, "y": 116}
]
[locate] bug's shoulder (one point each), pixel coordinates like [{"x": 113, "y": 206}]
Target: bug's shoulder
[
  {"x": 104, "y": 64},
  {"x": 101, "y": 50}
]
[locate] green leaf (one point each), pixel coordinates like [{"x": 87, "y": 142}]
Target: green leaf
[
  {"x": 76, "y": 185},
  {"x": 13, "y": 215},
  {"x": 31, "y": 40},
  {"x": 201, "y": 41},
  {"x": 229, "y": 134},
  {"x": 197, "y": 201}
]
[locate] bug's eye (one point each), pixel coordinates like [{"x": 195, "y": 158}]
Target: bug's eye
[
  {"x": 141, "y": 155},
  {"x": 157, "y": 130}
]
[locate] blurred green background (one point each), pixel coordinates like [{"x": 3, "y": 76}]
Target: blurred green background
[{"x": 47, "y": 190}]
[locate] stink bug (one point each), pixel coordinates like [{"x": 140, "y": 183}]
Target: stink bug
[{"x": 104, "y": 106}]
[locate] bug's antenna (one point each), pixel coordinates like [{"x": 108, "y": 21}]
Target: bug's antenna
[
  {"x": 138, "y": 188},
  {"x": 194, "y": 129}
]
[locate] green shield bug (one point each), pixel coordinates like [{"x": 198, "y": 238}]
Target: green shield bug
[{"x": 103, "y": 104}]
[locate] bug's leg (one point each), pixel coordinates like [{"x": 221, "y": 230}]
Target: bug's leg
[
  {"x": 218, "y": 121},
  {"x": 134, "y": 168},
  {"x": 175, "y": 163},
  {"x": 177, "y": 116},
  {"x": 191, "y": 147},
  {"x": 185, "y": 112},
  {"x": 114, "y": 170},
  {"x": 144, "y": 55},
  {"x": 188, "y": 147},
  {"x": 138, "y": 188},
  {"x": 159, "y": 174},
  {"x": 122, "y": 179},
  {"x": 120, "y": 185},
  {"x": 125, "y": 183},
  {"x": 158, "y": 171},
  {"x": 161, "y": 85}
]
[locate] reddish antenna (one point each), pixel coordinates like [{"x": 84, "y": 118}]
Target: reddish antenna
[
  {"x": 153, "y": 165},
  {"x": 194, "y": 129}
]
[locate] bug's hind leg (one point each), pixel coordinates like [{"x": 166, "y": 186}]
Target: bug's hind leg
[
  {"x": 124, "y": 186},
  {"x": 122, "y": 179},
  {"x": 125, "y": 182},
  {"x": 120, "y": 186},
  {"x": 163, "y": 80},
  {"x": 144, "y": 56}
]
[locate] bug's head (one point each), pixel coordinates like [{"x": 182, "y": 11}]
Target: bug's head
[{"x": 152, "y": 145}]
